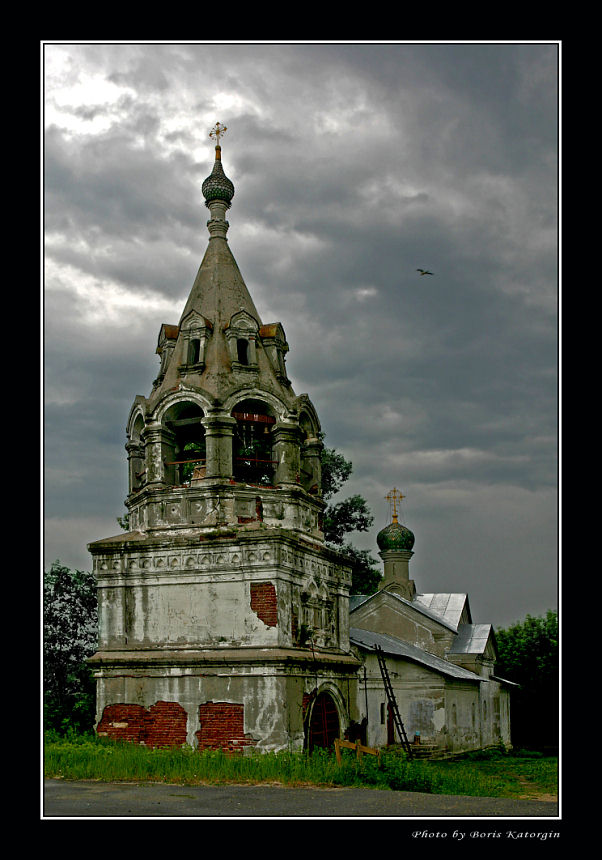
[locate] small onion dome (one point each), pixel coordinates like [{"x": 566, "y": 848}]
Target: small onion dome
[
  {"x": 217, "y": 186},
  {"x": 395, "y": 536}
]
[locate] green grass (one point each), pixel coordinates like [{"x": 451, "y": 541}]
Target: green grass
[
  {"x": 521, "y": 773},
  {"x": 500, "y": 775}
]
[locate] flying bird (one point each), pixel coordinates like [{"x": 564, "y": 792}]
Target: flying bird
[{"x": 423, "y": 272}]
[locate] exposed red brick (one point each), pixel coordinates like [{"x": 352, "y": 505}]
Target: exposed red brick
[
  {"x": 264, "y": 603},
  {"x": 222, "y": 727},
  {"x": 163, "y": 724}
]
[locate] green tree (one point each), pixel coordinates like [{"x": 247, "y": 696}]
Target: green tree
[
  {"x": 528, "y": 655},
  {"x": 70, "y": 618},
  {"x": 349, "y": 515}
]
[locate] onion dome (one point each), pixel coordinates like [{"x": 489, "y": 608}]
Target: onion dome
[
  {"x": 217, "y": 186},
  {"x": 395, "y": 536}
]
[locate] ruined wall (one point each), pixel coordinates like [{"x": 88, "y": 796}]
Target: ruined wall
[
  {"x": 260, "y": 589},
  {"x": 452, "y": 714},
  {"x": 234, "y": 706},
  {"x": 420, "y": 698}
]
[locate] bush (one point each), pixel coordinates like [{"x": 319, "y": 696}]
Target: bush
[{"x": 70, "y": 637}]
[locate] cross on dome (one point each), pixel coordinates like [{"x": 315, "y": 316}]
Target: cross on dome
[
  {"x": 218, "y": 131},
  {"x": 393, "y": 498}
]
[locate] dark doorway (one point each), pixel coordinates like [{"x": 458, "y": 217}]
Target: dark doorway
[
  {"x": 324, "y": 724},
  {"x": 390, "y": 725}
]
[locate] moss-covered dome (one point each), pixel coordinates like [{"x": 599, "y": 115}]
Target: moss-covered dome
[
  {"x": 217, "y": 186},
  {"x": 395, "y": 536}
]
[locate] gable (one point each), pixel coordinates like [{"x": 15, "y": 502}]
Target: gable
[{"x": 388, "y": 613}]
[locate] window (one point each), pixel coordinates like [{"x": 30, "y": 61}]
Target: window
[
  {"x": 242, "y": 351},
  {"x": 241, "y": 335},
  {"x": 196, "y": 331},
  {"x": 194, "y": 351}
]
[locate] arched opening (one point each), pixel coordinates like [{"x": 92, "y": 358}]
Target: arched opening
[
  {"x": 183, "y": 443},
  {"x": 324, "y": 725},
  {"x": 252, "y": 459}
]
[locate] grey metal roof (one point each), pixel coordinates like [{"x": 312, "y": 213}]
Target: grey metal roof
[
  {"x": 471, "y": 639},
  {"x": 356, "y": 600},
  {"x": 397, "y": 648},
  {"x": 504, "y": 681},
  {"x": 447, "y": 606}
]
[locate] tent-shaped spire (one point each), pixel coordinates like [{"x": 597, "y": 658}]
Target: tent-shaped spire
[{"x": 220, "y": 340}]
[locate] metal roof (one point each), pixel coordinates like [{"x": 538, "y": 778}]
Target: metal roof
[
  {"x": 397, "y": 648},
  {"x": 471, "y": 639},
  {"x": 447, "y": 606}
]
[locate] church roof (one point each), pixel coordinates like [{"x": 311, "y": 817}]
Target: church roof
[
  {"x": 472, "y": 639},
  {"x": 448, "y": 611},
  {"x": 367, "y": 640},
  {"x": 221, "y": 302},
  {"x": 445, "y": 605}
]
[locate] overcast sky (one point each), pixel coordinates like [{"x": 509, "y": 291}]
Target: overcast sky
[{"x": 353, "y": 165}]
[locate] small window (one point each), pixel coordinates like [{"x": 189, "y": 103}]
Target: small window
[
  {"x": 242, "y": 349},
  {"x": 382, "y": 713},
  {"x": 194, "y": 351}
]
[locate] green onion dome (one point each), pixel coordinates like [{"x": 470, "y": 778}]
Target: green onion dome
[
  {"x": 395, "y": 536},
  {"x": 217, "y": 186}
]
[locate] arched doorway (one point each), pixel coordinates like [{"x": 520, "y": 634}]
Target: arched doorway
[{"x": 324, "y": 724}]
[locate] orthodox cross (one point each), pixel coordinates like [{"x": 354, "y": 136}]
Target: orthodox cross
[
  {"x": 393, "y": 498},
  {"x": 217, "y": 131}
]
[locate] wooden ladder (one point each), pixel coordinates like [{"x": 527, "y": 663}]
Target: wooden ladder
[{"x": 392, "y": 700}]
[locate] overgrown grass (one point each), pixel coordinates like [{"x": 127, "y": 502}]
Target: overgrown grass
[
  {"x": 90, "y": 757},
  {"x": 521, "y": 773}
]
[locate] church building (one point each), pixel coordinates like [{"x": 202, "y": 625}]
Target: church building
[{"x": 225, "y": 620}]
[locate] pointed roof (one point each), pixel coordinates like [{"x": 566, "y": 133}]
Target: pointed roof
[
  {"x": 219, "y": 304},
  {"x": 219, "y": 290}
]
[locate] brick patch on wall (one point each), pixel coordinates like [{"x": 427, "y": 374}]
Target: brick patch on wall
[
  {"x": 163, "y": 724},
  {"x": 264, "y": 603},
  {"x": 222, "y": 727}
]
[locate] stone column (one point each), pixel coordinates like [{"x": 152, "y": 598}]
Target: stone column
[
  {"x": 311, "y": 463},
  {"x": 397, "y": 572},
  {"x": 135, "y": 451},
  {"x": 285, "y": 449},
  {"x": 217, "y": 224},
  {"x": 219, "y": 430},
  {"x": 159, "y": 449}
]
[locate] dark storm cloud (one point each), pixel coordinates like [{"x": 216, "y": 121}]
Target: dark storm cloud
[{"x": 353, "y": 166}]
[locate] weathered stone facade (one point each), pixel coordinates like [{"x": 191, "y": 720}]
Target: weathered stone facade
[
  {"x": 224, "y": 617},
  {"x": 222, "y": 602}
]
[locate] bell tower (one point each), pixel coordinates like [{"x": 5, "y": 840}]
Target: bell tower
[{"x": 223, "y": 614}]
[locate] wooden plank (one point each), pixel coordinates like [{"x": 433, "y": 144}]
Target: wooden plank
[{"x": 359, "y": 748}]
